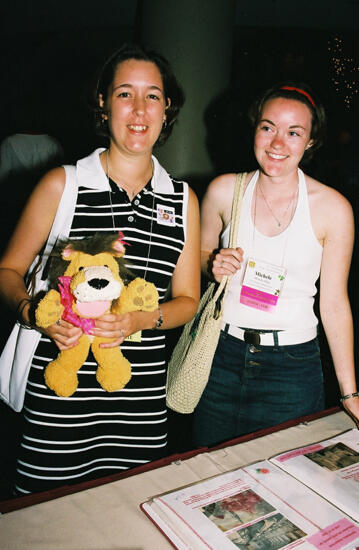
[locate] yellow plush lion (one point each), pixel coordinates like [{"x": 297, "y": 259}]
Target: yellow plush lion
[{"x": 90, "y": 286}]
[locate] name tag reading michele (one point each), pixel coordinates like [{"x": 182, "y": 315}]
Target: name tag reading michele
[{"x": 262, "y": 285}]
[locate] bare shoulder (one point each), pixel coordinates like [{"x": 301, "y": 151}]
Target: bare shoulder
[
  {"x": 52, "y": 183},
  {"x": 220, "y": 191},
  {"x": 221, "y": 185},
  {"x": 325, "y": 198},
  {"x": 330, "y": 211}
]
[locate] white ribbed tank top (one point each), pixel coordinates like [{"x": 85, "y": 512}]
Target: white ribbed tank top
[{"x": 296, "y": 248}]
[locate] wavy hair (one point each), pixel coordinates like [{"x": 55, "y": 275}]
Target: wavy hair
[{"x": 172, "y": 89}]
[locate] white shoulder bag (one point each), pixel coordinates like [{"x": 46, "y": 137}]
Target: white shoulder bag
[{"x": 16, "y": 357}]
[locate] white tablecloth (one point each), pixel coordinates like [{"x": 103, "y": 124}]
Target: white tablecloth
[{"x": 109, "y": 517}]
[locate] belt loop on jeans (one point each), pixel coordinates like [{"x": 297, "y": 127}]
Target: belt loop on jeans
[{"x": 225, "y": 329}]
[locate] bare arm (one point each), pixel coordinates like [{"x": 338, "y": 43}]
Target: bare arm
[
  {"x": 215, "y": 216},
  {"x": 28, "y": 239},
  {"x": 185, "y": 291},
  {"x": 334, "y": 302},
  {"x": 186, "y": 277}
]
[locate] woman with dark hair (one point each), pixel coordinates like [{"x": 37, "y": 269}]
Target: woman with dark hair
[
  {"x": 293, "y": 229},
  {"x": 122, "y": 188}
]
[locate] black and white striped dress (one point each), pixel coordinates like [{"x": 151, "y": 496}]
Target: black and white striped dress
[{"x": 94, "y": 433}]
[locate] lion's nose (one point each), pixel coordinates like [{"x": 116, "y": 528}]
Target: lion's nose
[{"x": 98, "y": 283}]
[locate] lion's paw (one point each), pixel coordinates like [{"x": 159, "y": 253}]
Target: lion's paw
[
  {"x": 49, "y": 309},
  {"x": 139, "y": 295}
]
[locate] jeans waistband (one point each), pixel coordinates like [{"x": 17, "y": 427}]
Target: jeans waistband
[{"x": 271, "y": 337}]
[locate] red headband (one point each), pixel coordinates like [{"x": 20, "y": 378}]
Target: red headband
[{"x": 293, "y": 89}]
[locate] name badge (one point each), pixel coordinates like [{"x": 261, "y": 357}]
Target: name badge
[
  {"x": 166, "y": 215},
  {"x": 135, "y": 337},
  {"x": 262, "y": 285}
]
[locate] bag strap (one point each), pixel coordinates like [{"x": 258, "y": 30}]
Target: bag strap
[
  {"x": 235, "y": 215},
  {"x": 236, "y": 207},
  {"x": 62, "y": 222}
]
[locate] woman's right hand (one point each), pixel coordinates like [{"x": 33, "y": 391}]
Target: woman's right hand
[
  {"x": 226, "y": 262},
  {"x": 64, "y": 334}
]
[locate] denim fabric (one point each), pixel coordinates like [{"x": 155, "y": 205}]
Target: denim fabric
[{"x": 254, "y": 387}]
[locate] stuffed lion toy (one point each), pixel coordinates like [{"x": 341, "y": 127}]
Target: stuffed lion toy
[{"x": 92, "y": 283}]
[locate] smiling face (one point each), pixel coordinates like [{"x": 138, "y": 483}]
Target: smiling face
[
  {"x": 135, "y": 106},
  {"x": 282, "y": 136}
]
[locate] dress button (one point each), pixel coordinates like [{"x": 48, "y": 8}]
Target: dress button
[
  {"x": 137, "y": 202},
  {"x": 130, "y": 218},
  {"x": 252, "y": 349}
]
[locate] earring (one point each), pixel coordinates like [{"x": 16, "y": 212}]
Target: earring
[
  {"x": 104, "y": 119},
  {"x": 164, "y": 125}
]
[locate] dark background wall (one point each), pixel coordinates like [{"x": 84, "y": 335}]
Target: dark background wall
[{"x": 51, "y": 48}]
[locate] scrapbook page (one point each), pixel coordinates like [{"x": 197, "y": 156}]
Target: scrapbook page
[{"x": 265, "y": 506}]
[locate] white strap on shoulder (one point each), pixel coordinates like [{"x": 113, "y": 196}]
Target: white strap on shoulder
[{"x": 63, "y": 219}]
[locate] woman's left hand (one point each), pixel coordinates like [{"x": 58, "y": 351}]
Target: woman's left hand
[
  {"x": 116, "y": 327},
  {"x": 351, "y": 406}
]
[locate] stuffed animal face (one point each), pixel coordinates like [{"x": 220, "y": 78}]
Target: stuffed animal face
[
  {"x": 95, "y": 281},
  {"x": 93, "y": 277}
]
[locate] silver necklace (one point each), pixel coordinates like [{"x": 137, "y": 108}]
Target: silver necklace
[
  {"x": 279, "y": 222},
  {"x": 113, "y": 216}
]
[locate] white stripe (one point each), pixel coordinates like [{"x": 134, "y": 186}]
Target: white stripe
[
  {"x": 143, "y": 268},
  {"x": 147, "y": 234},
  {"x": 140, "y": 258},
  {"x": 125, "y": 390},
  {"x": 169, "y": 199},
  {"x": 20, "y": 490},
  {"x": 42, "y": 358},
  {"x": 84, "y": 189},
  {"x": 150, "y": 339},
  {"x": 124, "y": 346},
  {"x": 78, "y": 467},
  {"x": 157, "y": 243},
  {"x": 94, "y": 423},
  {"x": 76, "y": 442},
  {"x": 148, "y": 372},
  {"x": 37, "y": 413},
  {"x": 97, "y": 397},
  {"x": 83, "y": 449},
  {"x": 133, "y": 347},
  {"x": 68, "y": 477},
  {"x": 158, "y": 363}
]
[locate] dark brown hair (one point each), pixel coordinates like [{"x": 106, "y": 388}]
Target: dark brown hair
[{"x": 172, "y": 89}]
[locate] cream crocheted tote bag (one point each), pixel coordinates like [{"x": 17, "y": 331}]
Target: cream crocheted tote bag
[{"x": 191, "y": 361}]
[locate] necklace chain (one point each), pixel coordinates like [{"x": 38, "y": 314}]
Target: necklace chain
[
  {"x": 279, "y": 222},
  {"x": 113, "y": 216}
]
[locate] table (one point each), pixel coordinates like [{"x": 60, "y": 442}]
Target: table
[{"x": 108, "y": 517}]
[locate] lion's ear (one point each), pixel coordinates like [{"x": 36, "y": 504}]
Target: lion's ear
[
  {"x": 68, "y": 253},
  {"x": 118, "y": 246}
]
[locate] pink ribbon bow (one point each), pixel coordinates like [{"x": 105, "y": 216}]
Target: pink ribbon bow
[{"x": 67, "y": 300}]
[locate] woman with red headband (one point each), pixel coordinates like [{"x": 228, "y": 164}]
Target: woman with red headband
[{"x": 292, "y": 230}]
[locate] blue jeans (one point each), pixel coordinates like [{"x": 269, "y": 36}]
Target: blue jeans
[{"x": 254, "y": 387}]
